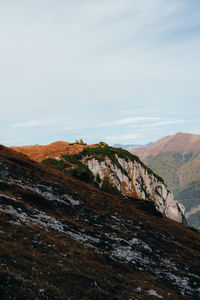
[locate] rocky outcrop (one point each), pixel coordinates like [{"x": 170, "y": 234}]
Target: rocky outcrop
[
  {"x": 132, "y": 179},
  {"x": 3, "y": 171},
  {"x": 114, "y": 170}
]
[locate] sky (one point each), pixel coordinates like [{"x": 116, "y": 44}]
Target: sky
[{"x": 119, "y": 71}]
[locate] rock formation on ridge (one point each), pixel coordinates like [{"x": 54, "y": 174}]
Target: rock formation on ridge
[{"x": 111, "y": 169}]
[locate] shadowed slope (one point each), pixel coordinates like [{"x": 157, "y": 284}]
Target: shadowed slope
[{"x": 75, "y": 241}]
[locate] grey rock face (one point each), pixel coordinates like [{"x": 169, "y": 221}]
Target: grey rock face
[
  {"x": 3, "y": 171},
  {"x": 133, "y": 180}
]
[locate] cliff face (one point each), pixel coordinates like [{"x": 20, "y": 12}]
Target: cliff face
[{"x": 133, "y": 180}]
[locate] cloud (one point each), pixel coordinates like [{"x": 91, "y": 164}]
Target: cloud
[
  {"x": 170, "y": 122},
  {"x": 129, "y": 121},
  {"x": 120, "y": 122},
  {"x": 144, "y": 128},
  {"x": 29, "y": 124},
  {"x": 122, "y": 137},
  {"x": 77, "y": 61},
  {"x": 11, "y": 141}
]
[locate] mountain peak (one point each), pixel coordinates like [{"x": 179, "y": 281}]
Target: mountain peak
[{"x": 179, "y": 142}]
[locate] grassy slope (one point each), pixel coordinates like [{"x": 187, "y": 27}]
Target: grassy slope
[
  {"x": 168, "y": 165},
  {"x": 189, "y": 195},
  {"x": 191, "y": 170},
  {"x": 194, "y": 219}
]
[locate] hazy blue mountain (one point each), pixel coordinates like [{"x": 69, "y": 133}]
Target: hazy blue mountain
[{"x": 131, "y": 146}]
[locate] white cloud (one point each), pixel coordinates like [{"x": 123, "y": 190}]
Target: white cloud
[
  {"x": 141, "y": 56},
  {"x": 122, "y": 137},
  {"x": 121, "y": 122},
  {"x": 170, "y": 122},
  {"x": 30, "y": 124},
  {"x": 129, "y": 121}
]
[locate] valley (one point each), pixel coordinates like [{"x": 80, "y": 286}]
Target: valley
[{"x": 177, "y": 159}]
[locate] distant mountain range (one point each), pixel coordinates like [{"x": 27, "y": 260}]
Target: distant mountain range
[
  {"x": 131, "y": 146},
  {"x": 176, "y": 159}
]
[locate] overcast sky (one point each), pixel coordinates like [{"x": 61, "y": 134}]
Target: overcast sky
[{"x": 124, "y": 71}]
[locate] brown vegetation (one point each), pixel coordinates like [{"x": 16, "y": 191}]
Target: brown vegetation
[{"x": 53, "y": 150}]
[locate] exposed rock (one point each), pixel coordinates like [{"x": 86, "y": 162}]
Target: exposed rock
[
  {"x": 134, "y": 180},
  {"x": 3, "y": 171},
  {"x": 119, "y": 170}
]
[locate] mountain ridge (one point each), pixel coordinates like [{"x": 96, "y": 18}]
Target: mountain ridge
[
  {"x": 181, "y": 142},
  {"x": 58, "y": 148},
  {"x": 114, "y": 170},
  {"x": 130, "y": 146}
]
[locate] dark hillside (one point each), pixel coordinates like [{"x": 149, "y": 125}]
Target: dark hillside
[{"x": 65, "y": 239}]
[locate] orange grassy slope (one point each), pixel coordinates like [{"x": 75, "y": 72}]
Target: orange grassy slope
[{"x": 53, "y": 150}]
